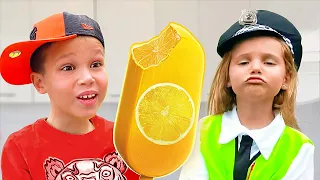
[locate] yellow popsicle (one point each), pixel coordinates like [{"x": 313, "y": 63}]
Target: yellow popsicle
[{"x": 156, "y": 121}]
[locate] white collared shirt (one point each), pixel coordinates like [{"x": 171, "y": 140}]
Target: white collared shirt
[{"x": 302, "y": 167}]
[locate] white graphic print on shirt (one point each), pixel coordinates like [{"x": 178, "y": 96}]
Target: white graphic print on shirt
[{"x": 111, "y": 167}]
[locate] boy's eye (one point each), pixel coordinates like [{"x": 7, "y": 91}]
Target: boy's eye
[
  {"x": 67, "y": 68},
  {"x": 96, "y": 64}
]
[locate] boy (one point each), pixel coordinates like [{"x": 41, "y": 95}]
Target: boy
[{"x": 65, "y": 59}]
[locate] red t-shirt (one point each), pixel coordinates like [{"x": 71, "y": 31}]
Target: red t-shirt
[{"x": 41, "y": 152}]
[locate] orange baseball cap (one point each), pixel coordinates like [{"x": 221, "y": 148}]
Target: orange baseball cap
[{"x": 15, "y": 59}]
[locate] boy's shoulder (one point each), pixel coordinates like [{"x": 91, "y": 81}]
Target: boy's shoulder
[
  {"x": 24, "y": 134},
  {"x": 100, "y": 121},
  {"x": 31, "y": 131},
  {"x": 28, "y": 129}
]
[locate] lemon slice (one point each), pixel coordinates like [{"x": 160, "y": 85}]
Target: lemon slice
[
  {"x": 153, "y": 52},
  {"x": 165, "y": 113}
]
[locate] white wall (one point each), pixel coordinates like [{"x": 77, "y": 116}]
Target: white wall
[{"x": 127, "y": 21}]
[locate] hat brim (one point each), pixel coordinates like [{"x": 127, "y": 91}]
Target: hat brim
[
  {"x": 230, "y": 43},
  {"x": 15, "y": 59}
]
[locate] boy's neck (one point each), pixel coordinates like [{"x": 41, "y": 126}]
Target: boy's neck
[
  {"x": 255, "y": 115},
  {"x": 70, "y": 125}
]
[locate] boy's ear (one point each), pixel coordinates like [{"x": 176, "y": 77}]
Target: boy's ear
[{"x": 38, "y": 82}]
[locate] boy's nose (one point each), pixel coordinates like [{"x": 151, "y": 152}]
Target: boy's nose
[{"x": 86, "y": 78}]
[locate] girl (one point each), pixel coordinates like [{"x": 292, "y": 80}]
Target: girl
[{"x": 252, "y": 132}]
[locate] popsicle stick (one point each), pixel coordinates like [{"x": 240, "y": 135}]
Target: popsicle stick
[{"x": 146, "y": 178}]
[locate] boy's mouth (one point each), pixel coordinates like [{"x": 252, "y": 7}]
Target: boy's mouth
[
  {"x": 90, "y": 96},
  {"x": 87, "y": 95}
]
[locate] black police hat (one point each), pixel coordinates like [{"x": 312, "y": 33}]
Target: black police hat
[{"x": 262, "y": 22}]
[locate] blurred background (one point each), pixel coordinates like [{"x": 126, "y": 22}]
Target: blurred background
[{"x": 124, "y": 22}]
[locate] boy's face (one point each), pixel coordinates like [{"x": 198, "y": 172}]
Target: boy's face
[
  {"x": 74, "y": 77},
  {"x": 257, "y": 68}
]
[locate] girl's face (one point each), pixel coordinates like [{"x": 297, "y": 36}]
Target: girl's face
[{"x": 257, "y": 69}]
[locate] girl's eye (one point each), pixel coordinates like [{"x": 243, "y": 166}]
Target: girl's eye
[
  {"x": 243, "y": 62},
  {"x": 67, "y": 68},
  {"x": 269, "y": 63},
  {"x": 96, "y": 64}
]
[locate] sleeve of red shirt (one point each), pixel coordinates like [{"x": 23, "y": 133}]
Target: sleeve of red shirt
[{"x": 13, "y": 165}]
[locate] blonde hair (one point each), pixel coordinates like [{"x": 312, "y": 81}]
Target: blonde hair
[{"x": 222, "y": 98}]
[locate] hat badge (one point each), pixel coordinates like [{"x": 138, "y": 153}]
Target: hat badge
[{"x": 248, "y": 17}]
